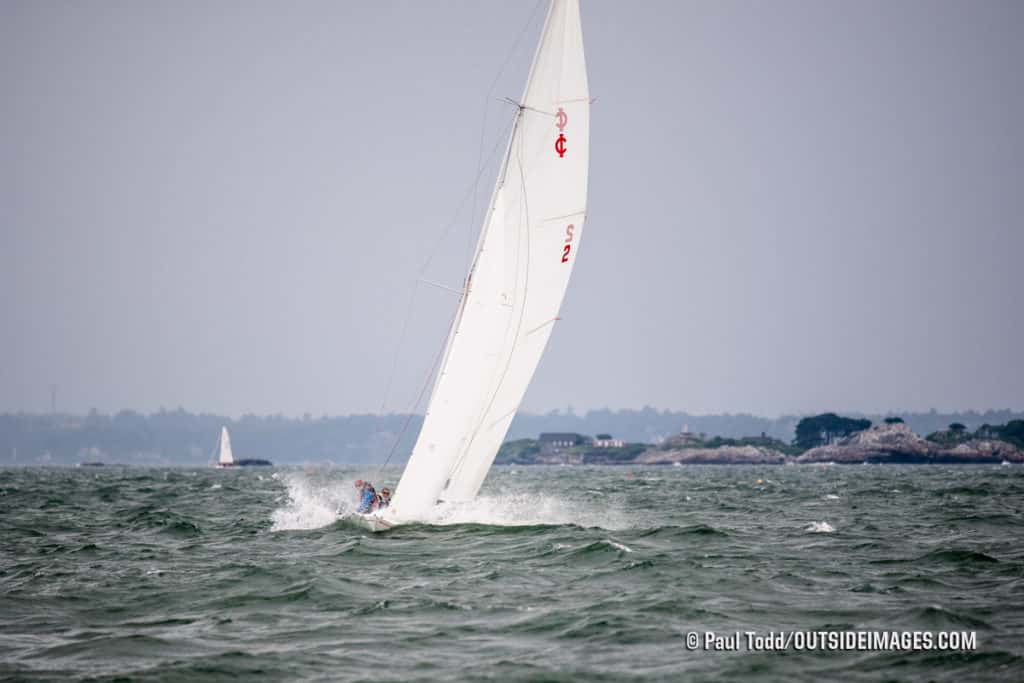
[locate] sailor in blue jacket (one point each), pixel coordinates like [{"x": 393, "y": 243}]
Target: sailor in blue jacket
[{"x": 367, "y": 496}]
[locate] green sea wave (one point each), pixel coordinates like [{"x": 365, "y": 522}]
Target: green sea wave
[{"x": 574, "y": 574}]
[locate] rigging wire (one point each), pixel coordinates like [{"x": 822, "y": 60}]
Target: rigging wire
[
  {"x": 482, "y": 164},
  {"x": 522, "y": 309},
  {"x": 487, "y": 104},
  {"x": 405, "y": 324},
  {"x": 419, "y": 276},
  {"x": 412, "y": 413}
]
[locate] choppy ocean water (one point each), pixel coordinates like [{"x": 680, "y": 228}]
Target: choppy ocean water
[{"x": 553, "y": 574}]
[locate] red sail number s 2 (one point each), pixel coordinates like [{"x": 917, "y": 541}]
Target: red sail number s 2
[{"x": 568, "y": 243}]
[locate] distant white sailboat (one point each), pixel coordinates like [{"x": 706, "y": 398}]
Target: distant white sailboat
[
  {"x": 225, "y": 459},
  {"x": 515, "y": 286}
]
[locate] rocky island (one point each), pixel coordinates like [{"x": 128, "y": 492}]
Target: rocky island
[
  {"x": 687, "y": 448},
  {"x": 723, "y": 455},
  {"x": 826, "y": 438},
  {"x": 896, "y": 443}
]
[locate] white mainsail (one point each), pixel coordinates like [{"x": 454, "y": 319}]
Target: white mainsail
[
  {"x": 514, "y": 289},
  {"x": 225, "y": 458}
]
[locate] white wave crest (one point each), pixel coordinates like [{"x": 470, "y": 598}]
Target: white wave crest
[
  {"x": 317, "y": 498},
  {"x": 526, "y": 509},
  {"x": 820, "y": 528},
  {"x": 313, "y": 501},
  {"x": 619, "y": 546}
]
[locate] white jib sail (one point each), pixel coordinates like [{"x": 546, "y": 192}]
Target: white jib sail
[
  {"x": 527, "y": 248},
  {"x": 225, "y": 448}
]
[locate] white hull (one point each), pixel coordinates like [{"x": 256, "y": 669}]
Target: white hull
[{"x": 374, "y": 522}]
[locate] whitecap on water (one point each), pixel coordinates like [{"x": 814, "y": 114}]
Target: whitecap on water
[
  {"x": 317, "y": 499},
  {"x": 831, "y": 496},
  {"x": 312, "y": 501},
  {"x": 526, "y": 509},
  {"x": 619, "y": 546},
  {"x": 820, "y": 528}
]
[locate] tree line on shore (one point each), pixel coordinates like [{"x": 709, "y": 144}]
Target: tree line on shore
[{"x": 824, "y": 429}]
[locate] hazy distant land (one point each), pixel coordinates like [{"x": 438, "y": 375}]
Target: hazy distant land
[{"x": 181, "y": 438}]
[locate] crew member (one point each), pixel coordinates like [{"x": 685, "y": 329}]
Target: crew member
[{"x": 367, "y": 496}]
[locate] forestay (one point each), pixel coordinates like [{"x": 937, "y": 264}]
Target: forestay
[{"x": 525, "y": 254}]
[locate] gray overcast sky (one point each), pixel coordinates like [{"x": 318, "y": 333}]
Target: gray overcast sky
[{"x": 794, "y": 206}]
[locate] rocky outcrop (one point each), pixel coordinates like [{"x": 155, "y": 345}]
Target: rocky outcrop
[
  {"x": 884, "y": 443},
  {"x": 723, "y": 455},
  {"x": 982, "y": 450},
  {"x": 896, "y": 443}
]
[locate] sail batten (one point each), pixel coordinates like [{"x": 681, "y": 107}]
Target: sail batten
[{"x": 517, "y": 278}]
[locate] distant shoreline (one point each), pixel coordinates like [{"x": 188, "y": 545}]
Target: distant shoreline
[
  {"x": 893, "y": 463},
  {"x": 891, "y": 442},
  {"x": 110, "y": 466},
  {"x": 179, "y": 438}
]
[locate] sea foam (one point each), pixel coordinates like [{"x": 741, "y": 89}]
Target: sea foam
[
  {"x": 318, "y": 498},
  {"x": 527, "y": 509},
  {"x": 314, "y": 500}
]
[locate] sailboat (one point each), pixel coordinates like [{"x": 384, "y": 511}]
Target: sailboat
[
  {"x": 510, "y": 302},
  {"x": 225, "y": 459}
]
